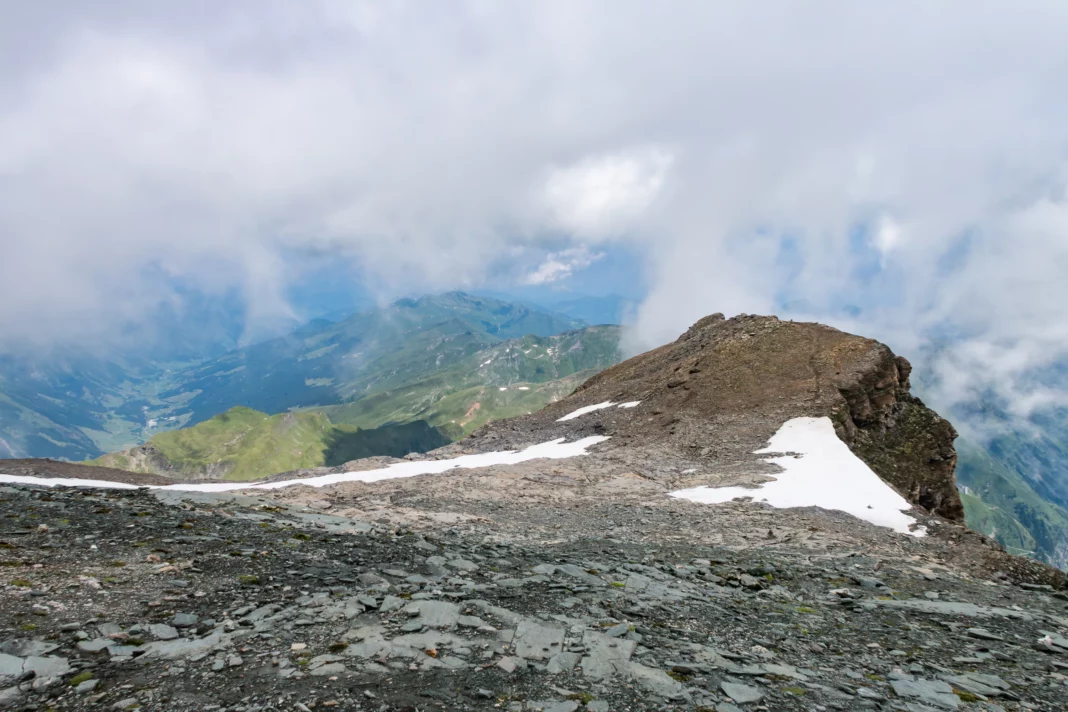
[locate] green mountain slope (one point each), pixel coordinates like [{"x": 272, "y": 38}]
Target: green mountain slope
[
  {"x": 68, "y": 405},
  {"x": 403, "y": 404},
  {"x": 331, "y": 363},
  {"x": 512, "y": 378},
  {"x": 244, "y": 444},
  {"x": 1001, "y": 501}
]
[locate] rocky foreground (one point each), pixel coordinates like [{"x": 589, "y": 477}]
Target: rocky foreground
[
  {"x": 127, "y": 600},
  {"x": 562, "y": 585}
]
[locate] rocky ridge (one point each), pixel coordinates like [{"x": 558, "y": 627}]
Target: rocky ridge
[
  {"x": 722, "y": 389},
  {"x": 560, "y": 585}
]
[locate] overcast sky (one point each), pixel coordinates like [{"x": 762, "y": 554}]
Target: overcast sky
[{"x": 898, "y": 169}]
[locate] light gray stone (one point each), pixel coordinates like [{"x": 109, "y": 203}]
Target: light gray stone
[
  {"x": 534, "y": 641},
  {"x": 655, "y": 681},
  {"x": 390, "y": 604},
  {"x": 184, "y": 620},
  {"x": 51, "y": 666},
  {"x": 96, "y": 645},
  {"x": 567, "y": 706},
  {"x": 26, "y": 647},
  {"x": 328, "y": 669},
  {"x": 562, "y": 662},
  {"x": 932, "y": 692},
  {"x": 509, "y": 664},
  {"x": 604, "y": 655},
  {"x": 162, "y": 631},
  {"x": 185, "y": 648},
  {"x": 10, "y": 665},
  {"x": 983, "y": 634},
  {"x": 742, "y": 694},
  {"x": 434, "y": 614},
  {"x": 10, "y": 695},
  {"x": 953, "y": 608}
]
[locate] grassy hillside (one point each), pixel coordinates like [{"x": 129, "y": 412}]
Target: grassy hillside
[
  {"x": 331, "y": 363},
  {"x": 245, "y": 444},
  {"x": 1005, "y": 506},
  {"x": 70, "y": 405},
  {"x": 414, "y": 400},
  {"x": 513, "y": 378}
]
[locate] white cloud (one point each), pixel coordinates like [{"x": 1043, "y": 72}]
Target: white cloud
[
  {"x": 888, "y": 234},
  {"x": 428, "y": 143},
  {"x": 561, "y": 265},
  {"x": 602, "y": 196}
]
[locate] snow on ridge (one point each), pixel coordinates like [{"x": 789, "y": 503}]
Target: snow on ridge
[
  {"x": 584, "y": 410},
  {"x": 826, "y": 474},
  {"x": 599, "y": 406},
  {"x": 553, "y": 450}
]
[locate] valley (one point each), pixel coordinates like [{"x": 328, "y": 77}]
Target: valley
[{"x": 402, "y": 379}]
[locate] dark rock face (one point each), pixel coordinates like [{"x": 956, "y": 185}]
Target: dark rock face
[{"x": 725, "y": 386}]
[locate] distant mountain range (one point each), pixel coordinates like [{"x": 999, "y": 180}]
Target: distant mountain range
[
  {"x": 245, "y": 444},
  {"x": 409, "y": 377},
  {"x": 452, "y": 360}
]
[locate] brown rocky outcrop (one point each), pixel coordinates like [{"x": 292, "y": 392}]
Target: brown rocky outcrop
[{"x": 725, "y": 386}]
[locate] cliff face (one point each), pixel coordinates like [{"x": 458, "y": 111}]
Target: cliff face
[
  {"x": 725, "y": 386},
  {"x": 906, "y": 443}
]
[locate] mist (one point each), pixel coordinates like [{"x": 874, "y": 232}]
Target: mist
[{"x": 896, "y": 170}]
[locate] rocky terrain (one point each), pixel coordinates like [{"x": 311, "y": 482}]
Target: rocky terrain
[{"x": 552, "y": 585}]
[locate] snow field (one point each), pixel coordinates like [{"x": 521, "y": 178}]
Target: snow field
[
  {"x": 824, "y": 474},
  {"x": 553, "y": 450}
]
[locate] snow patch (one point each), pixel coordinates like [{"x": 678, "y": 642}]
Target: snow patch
[
  {"x": 523, "y": 388},
  {"x": 503, "y": 388},
  {"x": 825, "y": 474},
  {"x": 590, "y": 408},
  {"x": 553, "y": 450},
  {"x": 584, "y": 410}
]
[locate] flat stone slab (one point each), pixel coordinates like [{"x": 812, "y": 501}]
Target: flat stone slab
[
  {"x": 604, "y": 656},
  {"x": 954, "y": 608},
  {"x": 562, "y": 662},
  {"x": 435, "y": 614},
  {"x": 742, "y": 694},
  {"x": 27, "y": 647},
  {"x": 534, "y": 641},
  {"x": 931, "y": 692},
  {"x": 655, "y": 681},
  {"x": 162, "y": 631},
  {"x": 96, "y": 645}
]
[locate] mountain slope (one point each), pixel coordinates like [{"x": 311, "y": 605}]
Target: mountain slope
[
  {"x": 717, "y": 394},
  {"x": 243, "y": 444},
  {"x": 1008, "y": 508},
  {"x": 330, "y": 363},
  {"x": 391, "y": 417},
  {"x": 512, "y": 378},
  {"x": 68, "y": 404}
]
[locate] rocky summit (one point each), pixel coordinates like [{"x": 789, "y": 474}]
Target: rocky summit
[{"x": 557, "y": 583}]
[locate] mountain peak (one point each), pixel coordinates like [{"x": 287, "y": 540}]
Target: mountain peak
[{"x": 721, "y": 390}]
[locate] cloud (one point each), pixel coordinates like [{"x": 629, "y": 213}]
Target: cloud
[
  {"x": 899, "y": 170},
  {"x": 603, "y": 196},
  {"x": 561, "y": 265}
]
